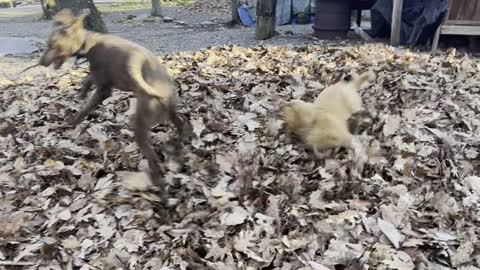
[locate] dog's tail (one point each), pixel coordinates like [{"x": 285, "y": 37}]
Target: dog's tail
[
  {"x": 359, "y": 80},
  {"x": 162, "y": 92}
]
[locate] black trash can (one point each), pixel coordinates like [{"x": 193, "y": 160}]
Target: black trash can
[{"x": 332, "y": 18}]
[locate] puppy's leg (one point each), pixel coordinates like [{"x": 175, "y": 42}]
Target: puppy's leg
[
  {"x": 98, "y": 97},
  {"x": 142, "y": 136},
  {"x": 87, "y": 84}
]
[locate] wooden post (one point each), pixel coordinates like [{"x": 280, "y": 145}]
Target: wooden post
[
  {"x": 359, "y": 17},
  {"x": 235, "y": 4},
  {"x": 436, "y": 38},
  {"x": 156, "y": 9},
  {"x": 265, "y": 25},
  {"x": 396, "y": 22}
]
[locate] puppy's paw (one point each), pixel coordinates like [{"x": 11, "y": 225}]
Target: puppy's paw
[{"x": 360, "y": 122}]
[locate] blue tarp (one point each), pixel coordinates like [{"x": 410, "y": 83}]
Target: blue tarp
[
  {"x": 420, "y": 19},
  {"x": 285, "y": 11}
]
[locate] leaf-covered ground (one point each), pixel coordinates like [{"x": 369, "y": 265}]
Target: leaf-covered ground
[{"x": 245, "y": 194}]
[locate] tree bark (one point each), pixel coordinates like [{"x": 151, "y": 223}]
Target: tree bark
[
  {"x": 265, "y": 25},
  {"x": 157, "y": 8},
  {"x": 235, "y": 4},
  {"x": 48, "y": 8},
  {"x": 6, "y": 4},
  {"x": 93, "y": 22}
]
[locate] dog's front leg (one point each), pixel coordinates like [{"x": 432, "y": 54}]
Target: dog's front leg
[
  {"x": 87, "y": 84},
  {"x": 142, "y": 136},
  {"x": 98, "y": 97}
]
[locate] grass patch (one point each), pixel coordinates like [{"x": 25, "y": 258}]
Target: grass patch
[
  {"x": 136, "y": 5},
  {"x": 176, "y": 3},
  {"x": 123, "y": 6}
]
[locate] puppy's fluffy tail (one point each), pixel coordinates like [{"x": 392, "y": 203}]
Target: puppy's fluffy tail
[
  {"x": 359, "y": 80},
  {"x": 162, "y": 92}
]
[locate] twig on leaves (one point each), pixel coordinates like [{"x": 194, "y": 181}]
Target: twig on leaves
[
  {"x": 13, "y": 263},
  {"x": 30, "y": 67}
]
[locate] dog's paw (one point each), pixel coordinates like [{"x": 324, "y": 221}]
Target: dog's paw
[
  {"x": 71, "y": 121},
  {"x": 173, "y": 147},
  {"x": 82, "y": 94},
  {"x": 186, "y": 133}
]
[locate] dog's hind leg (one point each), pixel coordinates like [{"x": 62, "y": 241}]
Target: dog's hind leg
[
  {"x": 98, "y": 97},
  {"x": 182, "y": 128},
  {"x": 142, "y": 136},
  {"x": 87, "y": 84}
]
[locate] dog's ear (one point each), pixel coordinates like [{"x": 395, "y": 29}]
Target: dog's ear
[
  {"x": 64, "y": 17},
  {"x": 77, "y": 23},
  {"x": 83, "y": 14}
]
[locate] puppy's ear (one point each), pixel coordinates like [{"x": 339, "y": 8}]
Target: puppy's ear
[
  {"x": 291, "y": 105},
  {"x": 282, "y": 104},
  {"x": 367, "y": 76}
]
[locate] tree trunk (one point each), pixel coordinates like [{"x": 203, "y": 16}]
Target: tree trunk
[
  {"x": 48, "y": 7},
  {"x": 93, "y": 22},
  {"x": 235, "y": 4},
  {"x": 265, "y": 25},
  {"x": 6, "y": 3},
  {"x": 157, "y": 8}
]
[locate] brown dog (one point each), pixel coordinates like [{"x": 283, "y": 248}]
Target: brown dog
[{"x": 116, "y": 63}]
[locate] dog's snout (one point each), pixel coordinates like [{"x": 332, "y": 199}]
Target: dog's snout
[{"x": 47, "y": 58}]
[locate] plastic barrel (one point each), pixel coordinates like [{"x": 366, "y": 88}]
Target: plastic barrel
[{"x": 332, "y": 18}]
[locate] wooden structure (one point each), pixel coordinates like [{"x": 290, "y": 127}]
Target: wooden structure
[
  {"x": 333, "y": 19},
  {"x": 265, "y": 25},
  {"x": 396, "y": 22},
  {"x": 360, "y": 5},
  {"x": 462, "y": 18},
  {"x": 396, "y": 17}
]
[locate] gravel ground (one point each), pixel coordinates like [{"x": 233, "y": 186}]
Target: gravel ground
[{"x": 189, "y": 31}]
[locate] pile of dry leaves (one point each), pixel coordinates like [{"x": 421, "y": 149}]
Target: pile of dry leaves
[{"x": 244, "y": 194}]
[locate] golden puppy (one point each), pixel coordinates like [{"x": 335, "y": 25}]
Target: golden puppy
[{"x": 324, "y": 123}]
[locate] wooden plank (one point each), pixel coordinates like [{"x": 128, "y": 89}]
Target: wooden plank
[
  {"x": 453, "y": 8},
  {"x": 436, "y": 38},
  {"x": 396, "y": 22},
  {"x": 458, "y": 22},
  {"x": 460, "y": 30},
  {"x": 464, "y": 10}
]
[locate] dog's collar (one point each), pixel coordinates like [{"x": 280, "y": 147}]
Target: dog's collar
[{"x": 80, "y": 54}]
